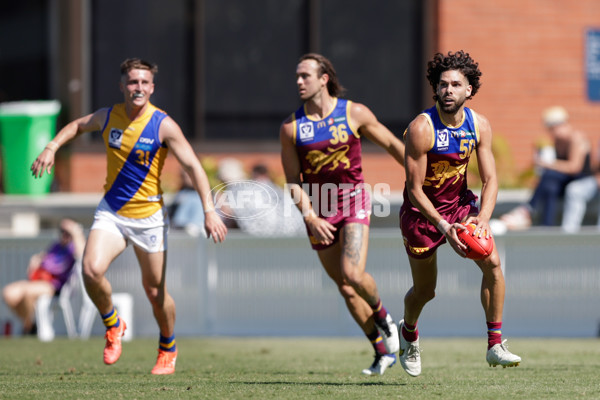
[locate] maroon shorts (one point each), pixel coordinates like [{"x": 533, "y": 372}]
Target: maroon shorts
[
  {"x": 355, "y": 209},
  {"x": 421, "y": 237}
]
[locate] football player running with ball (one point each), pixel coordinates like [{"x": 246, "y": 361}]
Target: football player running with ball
[{"x": 439, "y": 143}]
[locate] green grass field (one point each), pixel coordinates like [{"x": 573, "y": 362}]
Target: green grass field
[{"x": 296, "y": 368}]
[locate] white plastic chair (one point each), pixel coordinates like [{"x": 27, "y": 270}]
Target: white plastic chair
[
  {"x": 123, "y": 302},
  {"x": 45, "y": 307}
]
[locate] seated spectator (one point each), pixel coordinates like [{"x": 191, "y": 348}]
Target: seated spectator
[
  {"x": 578, "y": 194},
  {"x": 568, "y": 176},
  {"x": 47, "y": 273},
  {"x": 186, "y": 211}
]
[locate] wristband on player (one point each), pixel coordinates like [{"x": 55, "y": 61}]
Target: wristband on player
[
  {"x": 206, "y": 211},
  {"x": 444, "y": 226},
  {"x": 52, "y": 145},
  {"x": 310, "y": 213}
]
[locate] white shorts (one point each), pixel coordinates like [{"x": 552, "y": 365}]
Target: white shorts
[{"x": 149, "y": 234}]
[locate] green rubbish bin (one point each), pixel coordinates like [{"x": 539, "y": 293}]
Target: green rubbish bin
[{"x": 26, "y": 127}]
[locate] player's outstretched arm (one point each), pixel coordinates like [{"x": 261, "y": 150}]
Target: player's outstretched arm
[
  {"x": 171, "y": 134},
  {"x": 89, "y": 123},
  {"x": 367, "y": 124}
]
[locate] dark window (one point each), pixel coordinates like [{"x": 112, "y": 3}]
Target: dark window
[
  {"x": 154, "y": 30},
  {"x": 248, "y": 55},
  {"x": 251, "y": 53},
  {"x": 375, "y": 48},
  {"x": 24, "y": 51}
]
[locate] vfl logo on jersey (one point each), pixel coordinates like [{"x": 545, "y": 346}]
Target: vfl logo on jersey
[
  {"x": 115, "y": 137},
  {"x": 306, "y": 131},
  {"x": 319, "y": 159},
  {"x": 443, "y": 140}
]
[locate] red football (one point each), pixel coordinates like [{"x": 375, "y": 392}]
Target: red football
[{"x": 478, "y": 248}]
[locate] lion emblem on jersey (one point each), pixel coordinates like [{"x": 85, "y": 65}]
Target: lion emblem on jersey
[
  {"x": 319, "y": 159},
  {"x": 443, "y": 171}
]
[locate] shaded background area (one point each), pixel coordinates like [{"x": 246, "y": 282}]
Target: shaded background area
[{"x": 227, "y": 68}]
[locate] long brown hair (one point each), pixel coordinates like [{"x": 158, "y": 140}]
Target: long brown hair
[{"x": 334, "y": 87}]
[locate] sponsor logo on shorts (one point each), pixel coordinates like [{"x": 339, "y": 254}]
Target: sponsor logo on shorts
[
  {"x": 313, "y": 240},
  {"x": 415, "y": 250},
  {"x": 418, "y": 250}
]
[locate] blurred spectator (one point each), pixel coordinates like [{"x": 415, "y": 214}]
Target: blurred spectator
[
  {"x": 186, "y": 211},
  {"x": 568, "y": 175},
  {"x": 48, "y": 272},
  {"x": 257, "y": 205},
  {"x": 577, "y": 196},
  {"x": 284, "y": 219},
  {"x": 230, "y": 170}
]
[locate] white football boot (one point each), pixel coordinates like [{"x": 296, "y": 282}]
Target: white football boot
[
  {"x": 389, "y": 334},
  {"x": 410, "y": 354},
  {"x": 380, "y": 364},
  {"x": 499, "y": 355}
]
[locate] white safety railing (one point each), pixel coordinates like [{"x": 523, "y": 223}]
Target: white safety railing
[{"x": 276, "y": 286}]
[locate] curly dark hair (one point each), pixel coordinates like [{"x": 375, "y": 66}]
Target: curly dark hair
[
  {"x": 334, "y": 87},
  {"x": 459, "y": 61}
]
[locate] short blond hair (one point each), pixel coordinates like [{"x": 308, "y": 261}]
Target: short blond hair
[
  {"x": 138, "y": 63},
  {"x": 555, "y": 115}
]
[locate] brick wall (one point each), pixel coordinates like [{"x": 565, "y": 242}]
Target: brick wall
[
  {"x": 88, "y": 170},
  {"x": 531, "y": 53}
]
